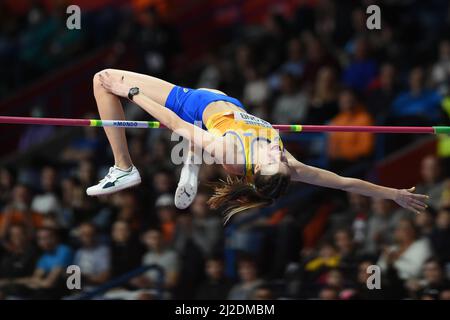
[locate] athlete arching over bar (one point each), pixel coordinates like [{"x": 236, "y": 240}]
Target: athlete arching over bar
[{"x": 263, "y": 167}]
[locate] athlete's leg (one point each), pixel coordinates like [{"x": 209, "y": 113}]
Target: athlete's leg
[
  {"x": 110, "y": 108},
  {"x": 156, "y": 89},
  {"x": 123, "y": 174}
]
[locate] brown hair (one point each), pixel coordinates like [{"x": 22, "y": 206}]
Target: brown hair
[{"x": 235, "y": 194}]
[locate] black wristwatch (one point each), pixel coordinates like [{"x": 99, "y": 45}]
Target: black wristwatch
[{"x": 133, "y": 92}]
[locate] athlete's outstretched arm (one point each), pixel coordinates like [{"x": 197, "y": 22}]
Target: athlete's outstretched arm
[
  {"x": 202, "y": 138},
  {"x": 316, "y": 176}
]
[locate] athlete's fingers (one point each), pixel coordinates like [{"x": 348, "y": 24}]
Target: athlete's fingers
[
  {"x": 422, "y": 197},
  {"x": 411, "y": 189},
  {"x": 105, "y": 82},
  {"x": 419, "y": 203},
  {"x": 411, "y": 208},
  {"x": 102, "y": 78},
  {"x": 418, "y": 207}
]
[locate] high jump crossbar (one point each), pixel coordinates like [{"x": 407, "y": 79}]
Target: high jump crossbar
[{"x": 281, "y": 127}]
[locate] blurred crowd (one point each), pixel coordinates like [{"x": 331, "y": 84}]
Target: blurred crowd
[{"x": 318, "y": 65}]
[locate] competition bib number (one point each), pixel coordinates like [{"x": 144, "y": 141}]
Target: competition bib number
[{"x": 251, "y": 120}]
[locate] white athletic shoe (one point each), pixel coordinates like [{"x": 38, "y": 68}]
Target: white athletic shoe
[
  {"x": 187, "y": 186},
  {"x": 116, "y": 180}
]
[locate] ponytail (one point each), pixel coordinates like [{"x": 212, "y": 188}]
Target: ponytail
[{"x": 235, "y": 195}]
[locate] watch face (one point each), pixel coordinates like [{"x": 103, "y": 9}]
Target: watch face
[{"x": 134, "y": 91}]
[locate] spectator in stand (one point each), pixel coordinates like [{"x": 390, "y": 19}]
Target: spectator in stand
[
  {"x": 315, "y": 268},
  {"x": 163, "y": 182},
  {"x": 327, "y": 258},
  {"x": 87, "y": 173},
  {"x": 249, "y": 280},
  {"x": 418, "y": 105},
  {"x": 156, "y": 40},
  {"x": 316, "y": 58},
  {"x": 48, "y": 200},
  {"x": 263, "y": 292},
  {"x": 440, "y": 236},
  {"x": 17, "y": 259},
  {"x": 64, "y": 42},
  {"x": 217, "y": 285},
  {"x": 409, "y": 252},
  {"x": 207, "y": 226},
  {"x": 293, "y": 65},
  {"x": 93, "y": 258},
  {"x": 354, "y": 214},
  {"x": 210, "y": 76},
  {"x": 159, "y": 155},
  {"x": 47, "y": 280},
  {"x": 40, "y": 29},
  {"x": 159, "y": 255},
  {"x": 292, "y": 104},
  {"x": 86, "y": 147},
  {"x": 167, "y": 213},
  {"x": 445, "y": 294},
  {"x": 275, "y": 30},
  {"x": 256, "y": 90},
  {"x": 126, "y": 251},
  {"x": 323, "y": 103},
  {"x": 382, "y": 92},
  {"x": 425, "y": 221},
  {"x": 68, "y": 202},
  {"x": 35, "y": 134},
  {"x": 295, "y": 61},
  {"x": 347, "y": 148},
  {"x": 362, "y": 69},
  {"x": 138, "y": 151},
  {"x": 7, "y": 181},
  {"x": 441, "y": 68},
  {"x": 128, "y": 208},
  {"x": 380, "y": 225},
  {"x": 192, "y": 268},
  {"x": 77, "y": 207},
  {"x": 18, "y": 211},
  {"x": 328, "y": 293},
  {"x": 432, "y": 179},
  {"x": 433, "y": 280},
  {"x": 347, "y": 250},
  {"x": 444, "y": 201}
]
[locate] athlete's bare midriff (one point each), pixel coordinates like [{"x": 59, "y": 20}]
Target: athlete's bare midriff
[{"x": 218, "y": 107}]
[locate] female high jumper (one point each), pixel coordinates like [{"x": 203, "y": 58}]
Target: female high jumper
[{"x": 262, "y": 168}]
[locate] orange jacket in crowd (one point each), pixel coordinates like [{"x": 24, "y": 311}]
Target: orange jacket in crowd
[
  {"x": 20, "y": 217},
  {"x": 351, "y": 145}
]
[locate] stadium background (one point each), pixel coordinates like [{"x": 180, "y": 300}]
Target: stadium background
[{"x": 293, "y": 61}]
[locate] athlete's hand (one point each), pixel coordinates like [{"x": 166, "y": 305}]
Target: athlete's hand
[
  {"x": 411, "y": 201},
  {"x": 114, "y": 84}
]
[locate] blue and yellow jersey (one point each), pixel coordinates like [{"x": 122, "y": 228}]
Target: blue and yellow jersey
[{"x": 247, "y": 128}]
